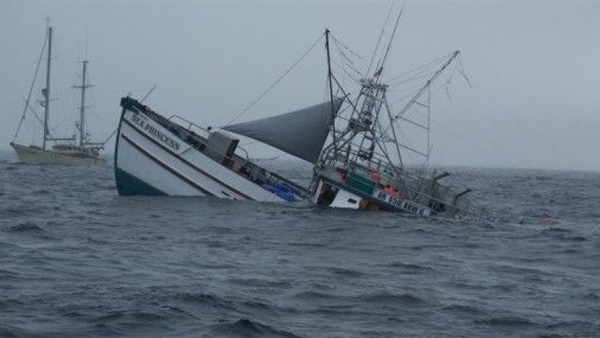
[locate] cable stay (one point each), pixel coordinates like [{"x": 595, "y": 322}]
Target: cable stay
[
  {"x": 277, "y": 81},
  {"x": 425, "y": 87},
  {"x": 37, "y": 68},
  {"x": 379, "y": 70},
  {"x": 148, "y": 94},
  {"x": 387, "y": 19},
  {"x": 420, "y": 69},
  {"x": 347, "y": 61},
  {"x": 116, "y": 129}
]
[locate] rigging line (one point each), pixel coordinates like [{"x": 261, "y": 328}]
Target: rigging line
[
  {"x": 346, "y": 64},
  {"x": 345, "y": 71},
  {"x": 462, "y": 72},
  {"x": 116, "y": 129},
  {"x": 38, "y": 118},
  {"x": 412, "y": 79},
  {"x": 425, "y": 66},
  {"x": 346, "y": 47},
  {"x": 407, "y": 96},
  {"x": 387, "y": 19},
  {"x": 341, "y": 56},
  {"x": 148, "y": 94},
  {"x": 424, "y": 71},
  {"x": 414, "y": 100},
  {"x": 110, "y": 136},
  {"x": 37, "y": 68},
  {"x": 392, "y": 37},
  {"x": 34, "y": 114},
  {"x": 384, "y": 143},
  {"x": 278, "y": 80},
  {"x": 346, "y": 60}
]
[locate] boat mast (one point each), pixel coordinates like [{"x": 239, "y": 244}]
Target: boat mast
[
  {"x": 83, "y": 87},
  {"x": 329, "y": 77},
  {"x": 47, "y": 89}
]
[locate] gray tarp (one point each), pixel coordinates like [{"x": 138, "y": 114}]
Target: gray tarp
[{"x": 301, "y": 133}]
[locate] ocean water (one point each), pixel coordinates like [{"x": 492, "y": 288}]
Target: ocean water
[{"x": 76, "y": 260}]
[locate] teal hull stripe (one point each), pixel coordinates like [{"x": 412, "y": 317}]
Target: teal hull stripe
[
  {"x": 129, "y": 185},
  {"x": 213, "y": 178},
  {"x": 167, "y": 167}
]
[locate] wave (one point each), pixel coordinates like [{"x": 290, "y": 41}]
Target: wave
[
  {"x": 128, "y": 322},
  {"x": 20, "y": 211},
  {"x": 248, "y": 329},
  {"x": 8, "y": 331},
  {"x": 307, "y": 244},
  {"x": 410, "y": 268},
  {"x": 466, "y": 309},
  {"x": 6, "y": 275},
  {"x": 391, "y": 298},
  {"x": 561, "y": 234},
  {"x": 26, "y": 228},
  {"x": 259, "y": 282},
  {"x": 342, "y": 272},
  {"x": 507, "y": 322},
  {"x": 570, "y": 324},
  {"x": 205, "y": 299},
  {"x": 308, "y": 295}
]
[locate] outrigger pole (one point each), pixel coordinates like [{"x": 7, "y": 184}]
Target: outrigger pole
[{"x": 426, "y": 86}]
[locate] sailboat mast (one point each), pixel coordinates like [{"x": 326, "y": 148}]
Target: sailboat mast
[
  {"x": 47, "y": 89},
  {"x": 82, "y": 108}
]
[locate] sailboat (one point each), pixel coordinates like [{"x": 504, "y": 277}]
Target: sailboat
[
  {"x": 351, "y": 142},
  {"x": 66, "y": 150}
]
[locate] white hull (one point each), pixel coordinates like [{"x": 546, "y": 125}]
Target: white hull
[
  {"x": 151, "y": 160},
  {"x": 32, "y": 155}
]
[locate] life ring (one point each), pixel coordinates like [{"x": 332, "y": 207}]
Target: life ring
[{"x": 392, "y": 191}]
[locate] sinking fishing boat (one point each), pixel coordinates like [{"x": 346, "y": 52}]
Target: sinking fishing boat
[
  {"x": 362, "y": 165},
  {"x": 351, "y": 141},
  {"x": 156, "y": 155}
]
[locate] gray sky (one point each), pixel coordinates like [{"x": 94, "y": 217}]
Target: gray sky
[{"x": 534, "y": 66}]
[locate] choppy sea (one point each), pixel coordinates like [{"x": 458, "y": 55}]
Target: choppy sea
[{"x": 77, "y": 260}]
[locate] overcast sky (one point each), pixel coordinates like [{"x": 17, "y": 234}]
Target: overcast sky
[{"x": 533, "y": 65}]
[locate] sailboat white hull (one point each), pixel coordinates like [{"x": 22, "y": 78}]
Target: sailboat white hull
[
  {"x": 35, "y": 155},
  {"x": 85, "y": 153},
  {"x": 152, "y": 160}
]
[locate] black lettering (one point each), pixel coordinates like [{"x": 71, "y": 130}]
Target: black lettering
[
  {"x": 160, "y": 136},
  {"x": 137, "y": 120}
]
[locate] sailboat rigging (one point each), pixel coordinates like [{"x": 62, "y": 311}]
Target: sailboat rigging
[{"x": 65, "y": 150}]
